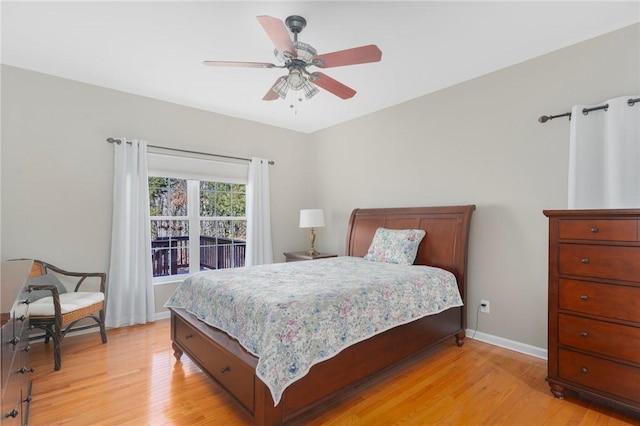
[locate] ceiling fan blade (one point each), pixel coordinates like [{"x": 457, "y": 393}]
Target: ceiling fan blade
[
  {"x": 331, "y": 85},
  {"x": 277, "y": 32},
  {"x": 356, "y": 55},
  {"x": 271, "y": 94},
  {"x": 240, "y": 64}
]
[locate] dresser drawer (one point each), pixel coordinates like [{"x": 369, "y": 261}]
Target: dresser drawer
[
  {"x": 596, "y": 373},
  {"x": 598, "y": 229},
  {"x": 607, "y": 300},
  {"x": 600, "y": 337},
  {"x": 12, "y": 408},
  {"x": 12, "y": 384},
  {"x": 10, "y": 350},
  {"x": 235, "y": 376},
  {"x": 21, "y": 308},
  {"x": 613, "y": 262}
]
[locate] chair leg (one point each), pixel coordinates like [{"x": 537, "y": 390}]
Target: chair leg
[
  {"x": 57, "y": 358},
  {"x": 103, "y": 332},
  {"x": 53, "y": 333}
]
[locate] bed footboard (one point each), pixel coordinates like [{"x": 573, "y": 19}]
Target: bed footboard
[{"x": 222, "y": 358}]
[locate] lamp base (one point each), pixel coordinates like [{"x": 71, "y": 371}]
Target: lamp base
[{"x": 312, "y": 241}]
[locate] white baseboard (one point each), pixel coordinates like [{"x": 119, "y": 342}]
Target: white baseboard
[
  {"x": 507, "y": 344},
  {"x": 163, "y": 315},
  {"x": 470, "y": 334}
]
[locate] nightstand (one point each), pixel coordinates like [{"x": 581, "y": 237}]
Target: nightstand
[{"x": 297, "y": 256}]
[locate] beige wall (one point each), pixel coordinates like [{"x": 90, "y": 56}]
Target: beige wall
[
  {"x": 57, "y": 168},
  {"x": 479, "y": 143}
]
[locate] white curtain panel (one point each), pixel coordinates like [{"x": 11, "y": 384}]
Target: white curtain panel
[
  {"x": 130, "y": 292},
  {"x": 259, "y": 245},
  {"x": 604, "y": 156}
]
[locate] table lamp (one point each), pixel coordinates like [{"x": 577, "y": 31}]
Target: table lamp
[{"x": 312, "y": 218}]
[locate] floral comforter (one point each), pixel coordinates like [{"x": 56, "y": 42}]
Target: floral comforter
[{"x": 295, "y": 315}]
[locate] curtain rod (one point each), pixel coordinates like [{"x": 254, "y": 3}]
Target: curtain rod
[
  {"x": 585, "y": 111},
  {"x": 118, "y": 141}
]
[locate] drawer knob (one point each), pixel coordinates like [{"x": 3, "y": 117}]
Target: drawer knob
[
  {"x": 585, "y": 260},
  {"x": 27, "y": 348},
  {"x": 21, "y": 318},
  {"x": 13, "y": 413},
  {"x": 584, "y": 297},
  {"x": 584, "y": 334},
  {"x": 225, "y": 369},
  {"x": 584, "y": 370},
  {"x": 594, "y": 229},
  {"x": 188, "y": 336}
]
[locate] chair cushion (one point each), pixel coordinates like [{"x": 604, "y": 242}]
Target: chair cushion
[
  {"x": 46, "y": 279},
  {"x": 69, "y": 302}
]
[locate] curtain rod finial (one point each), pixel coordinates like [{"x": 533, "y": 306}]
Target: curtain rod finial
[{"x": 544, "y": 119}]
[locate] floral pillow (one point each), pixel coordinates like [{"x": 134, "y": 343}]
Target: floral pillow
[{"x": 395, "y": 245}]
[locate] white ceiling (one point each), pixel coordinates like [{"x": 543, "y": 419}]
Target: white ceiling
[{"x": 156, "y": 48}]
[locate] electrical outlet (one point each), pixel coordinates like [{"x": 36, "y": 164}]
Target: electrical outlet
[{"x": 484, "y": 306}]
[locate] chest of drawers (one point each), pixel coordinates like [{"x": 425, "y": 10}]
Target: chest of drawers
[
  {"x": 14, "y": 369},
  {"x": 594, "y": 304}
]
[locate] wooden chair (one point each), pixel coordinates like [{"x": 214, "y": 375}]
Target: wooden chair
[{"x": 56, "y": 311}]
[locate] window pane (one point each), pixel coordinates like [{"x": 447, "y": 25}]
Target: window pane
[
  {"x": 167, "y": 197},
  {"x": 207, "y": 198},
  {"x": 169, "y": 247},
  {"x": 220, "y": 245},
  {"x": 238, "y": 204},
  {"x": 221, "y": 186},
  {"x": 222, "y": 199}
]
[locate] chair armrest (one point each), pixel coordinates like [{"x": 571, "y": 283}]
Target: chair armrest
[
  {"x": 52, "y": 288},
  {"x": 81, "y": 275},
  {"x": 56, "y": 299}
]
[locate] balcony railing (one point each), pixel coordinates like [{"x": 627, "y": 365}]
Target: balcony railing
[{"x": 170, "y": 255}]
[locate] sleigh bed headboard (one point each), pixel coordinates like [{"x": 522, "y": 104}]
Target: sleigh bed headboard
[{"x": 445, "y": 245}]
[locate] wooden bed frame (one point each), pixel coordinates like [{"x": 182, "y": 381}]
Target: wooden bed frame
[{"x": 223, "y": 359}]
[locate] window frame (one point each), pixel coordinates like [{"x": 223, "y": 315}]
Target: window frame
[{"x": 194, "y": 171}]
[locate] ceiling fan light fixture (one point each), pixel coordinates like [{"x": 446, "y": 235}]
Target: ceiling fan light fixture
[
  {"x": 295, "y": 79},
  {"x": 309, "y": 90},
  {"x": 282, "y": 88}
]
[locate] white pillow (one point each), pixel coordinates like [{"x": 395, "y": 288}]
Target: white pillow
[{"x": 395, "y": 245}]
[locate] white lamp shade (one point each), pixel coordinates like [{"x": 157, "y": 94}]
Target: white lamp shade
[{"x": 311, "y": 218}]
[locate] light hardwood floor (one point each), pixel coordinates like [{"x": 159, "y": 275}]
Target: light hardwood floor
[{"x": 135, "y": 380}]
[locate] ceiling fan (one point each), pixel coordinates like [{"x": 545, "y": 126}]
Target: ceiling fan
[{"x": 297, "y": 56}]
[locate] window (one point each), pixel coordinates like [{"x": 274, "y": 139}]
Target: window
[{"x": 196, "y": 225}]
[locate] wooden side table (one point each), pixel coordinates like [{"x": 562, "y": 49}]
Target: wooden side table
[{"x": 298, "y": 256}]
